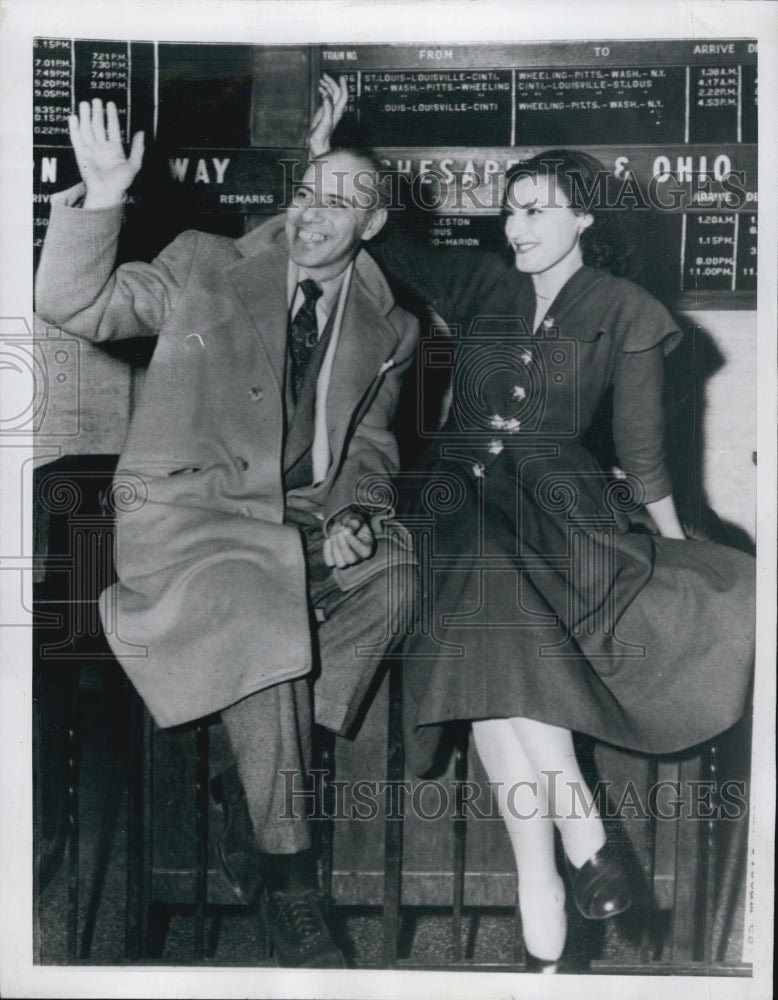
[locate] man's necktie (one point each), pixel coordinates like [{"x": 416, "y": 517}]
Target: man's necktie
[{"x": 304, "y": 332}]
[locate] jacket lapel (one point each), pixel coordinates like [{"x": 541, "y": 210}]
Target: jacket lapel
[
  {"x": 258, "y": 280},
  {"x": 366, "y": 341}
]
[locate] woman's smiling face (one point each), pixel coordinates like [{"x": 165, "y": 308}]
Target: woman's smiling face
[{"x": 541, "y": 227}]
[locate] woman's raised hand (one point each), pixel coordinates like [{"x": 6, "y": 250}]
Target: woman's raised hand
[
  {"x": 334, "y": 96},
  {"x": 97, "y": 143}
]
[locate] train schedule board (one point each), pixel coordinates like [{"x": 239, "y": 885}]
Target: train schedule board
[{"x": 674, "y": 121}]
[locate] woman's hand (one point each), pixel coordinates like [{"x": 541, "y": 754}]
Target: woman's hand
[
  {"x": 97, "y": 143},
  {"x": 333, "y": 103},
  {"x": 665, "y": 517}
]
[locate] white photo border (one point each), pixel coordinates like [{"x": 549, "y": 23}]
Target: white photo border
[{"x": 317, "y": 21}]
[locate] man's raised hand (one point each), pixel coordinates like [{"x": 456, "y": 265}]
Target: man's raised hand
[
  {"x": 334, "y": 96},
  {"x": 97, "y": 143}
]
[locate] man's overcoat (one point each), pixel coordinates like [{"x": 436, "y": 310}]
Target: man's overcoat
[{"x": 211, "y": 600}]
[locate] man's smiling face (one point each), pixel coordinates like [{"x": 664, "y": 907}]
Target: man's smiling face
[{"x": 333, "y": 209}]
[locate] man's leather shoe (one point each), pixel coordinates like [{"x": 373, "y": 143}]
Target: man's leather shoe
[
  {"x": 601, "y": 887},
  {"x": 298, "y": 928},
  {"x": 237, "y": 847}
]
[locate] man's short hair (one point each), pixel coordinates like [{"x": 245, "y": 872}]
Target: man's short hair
[{"x": 369, "y": 162}]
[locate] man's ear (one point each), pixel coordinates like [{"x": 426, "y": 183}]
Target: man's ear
[{"x": 375, "y": 223}]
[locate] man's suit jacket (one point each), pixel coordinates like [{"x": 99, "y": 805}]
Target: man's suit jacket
[{"x": 211, "y": 594}]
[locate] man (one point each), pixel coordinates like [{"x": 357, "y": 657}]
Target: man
[{"x": 245, "y": 558}]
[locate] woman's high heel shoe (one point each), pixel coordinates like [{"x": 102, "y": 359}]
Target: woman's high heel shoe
[{"x": 600, "y": 888}]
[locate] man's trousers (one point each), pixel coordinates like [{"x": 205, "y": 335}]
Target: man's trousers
[{"x": 270, "y": 731}]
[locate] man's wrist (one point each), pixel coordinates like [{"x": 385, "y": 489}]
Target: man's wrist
[
  {"x": 103, "y": 199},
  {"x": 346, "y": 514}
]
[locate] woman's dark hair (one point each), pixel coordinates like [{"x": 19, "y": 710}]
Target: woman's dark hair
[{"x": 587, "y": 184}]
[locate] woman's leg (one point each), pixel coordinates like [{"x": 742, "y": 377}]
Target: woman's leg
[
  {"x": 523, "y": 805},
  {"x": 552, "y": 757}
]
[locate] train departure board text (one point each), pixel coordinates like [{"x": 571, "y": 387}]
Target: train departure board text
[{"x": 674, "y": 121}]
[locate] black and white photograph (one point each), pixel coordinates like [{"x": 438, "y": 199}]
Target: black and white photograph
[{"x": 389, "y": 475}]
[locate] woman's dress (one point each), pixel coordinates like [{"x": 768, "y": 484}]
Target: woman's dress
[{"x": 542, "y": 599}]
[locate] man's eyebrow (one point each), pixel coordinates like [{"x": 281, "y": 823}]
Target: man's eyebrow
[{"x": 324, "y": 196}]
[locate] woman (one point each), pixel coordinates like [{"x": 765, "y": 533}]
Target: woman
[{"x": 552, "y": 613}]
